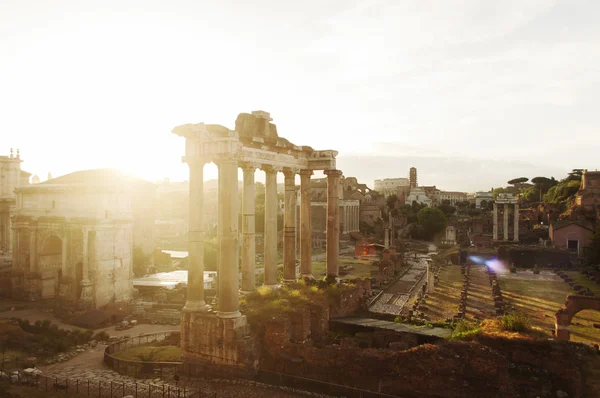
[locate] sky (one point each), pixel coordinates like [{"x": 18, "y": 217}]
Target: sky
[{"x": 472, "y": 93}]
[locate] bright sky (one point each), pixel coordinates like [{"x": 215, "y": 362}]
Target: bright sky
[{"x": 470, "y": 92}]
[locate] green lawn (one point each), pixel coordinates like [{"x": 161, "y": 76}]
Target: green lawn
[
  {"x": 151, "y": 353},
  {"x": 541, "y": 299}
]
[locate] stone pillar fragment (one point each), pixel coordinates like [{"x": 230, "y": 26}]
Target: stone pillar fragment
[
  {"x": 248, "y": 230},
  {"x": 505, "y": 221},
  {"x": 32, "y": 250},
  {"x": 305, "y": 225},
  {"x": 195, "y": 285},
  {"x": 228, "y": 276},
  {"x": 86, "y": 298},
  {"x": 289, "y": 228},
  {"x": 270, "y": 234},
  {"x": 495, "y": 215},
  {"x": 333, "y": 223},
  {"x": 516, "y": 223}
]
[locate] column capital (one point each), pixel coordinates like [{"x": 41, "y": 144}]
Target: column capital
[
  {"x": 267, "y": 168},
  {"x": 333, "y": 172},
  {"x": 306, "y": 172},
  {"x": 249, "y": 166},
  {"x": 290, "y": 172}
]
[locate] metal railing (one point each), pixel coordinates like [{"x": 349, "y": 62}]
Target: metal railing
[{"x": 101, "y": 389}]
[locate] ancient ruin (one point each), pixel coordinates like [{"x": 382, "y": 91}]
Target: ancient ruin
[
  {"x": 506, "y": 200},
  {"x": 572, "y": 306},
  {"x": 73, "y": 237},
  {"x": 222, "y": 336}
]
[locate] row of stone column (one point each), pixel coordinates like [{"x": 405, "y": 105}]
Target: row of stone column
[
  {"x": 228, "y": 231},
  {"x": 351, "y": 218},
  {"x": 505, "y": 221}
]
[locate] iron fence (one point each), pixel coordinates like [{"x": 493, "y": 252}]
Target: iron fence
[{"x": 101, "y": 389}]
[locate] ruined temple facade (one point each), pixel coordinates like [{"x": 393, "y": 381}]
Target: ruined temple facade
[
  {"x": 588, "y": 196},
  {"x": 11, "y": 177},
  {"x": 222, "y": 336},
  {"x": 73, "y": 237}
]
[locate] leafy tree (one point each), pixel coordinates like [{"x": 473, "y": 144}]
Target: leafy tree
[
  {"x": 447, "y": 208},
  {"x": 391, "y": 201},
  {"x": 575, "y": 175},
  {"x": 140, "y": 261},
  {"x": 483, "y": 204},
  {"x": 519, "y": 180},
  {"x": 432, "y": 220},
  {"x": 593, "y": 250},
  {"x": 497, "y": 191}
]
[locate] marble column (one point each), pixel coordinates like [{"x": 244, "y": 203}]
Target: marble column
[
  {"x": 333, "y": 223},
  {"x": 305, "y": 225},
  {"x": 289, "y": 227},
  {"x": 505, "y": 221},
  {"x": 195, "y": 284},
  {"x": 228, "y": 278},
  {"x": 85, "y": 283},
  {"x": 32, "y": 249},
  {"x": 516, "y": 223},
  {"x": 495, "y": 215},
  {"x": 270, "y": 234},
  {"x": 63, "y": 265},
  {"x": 248, "y": 231}
]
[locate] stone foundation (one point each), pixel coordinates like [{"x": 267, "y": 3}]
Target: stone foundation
[{"x": 208, "y": 338}]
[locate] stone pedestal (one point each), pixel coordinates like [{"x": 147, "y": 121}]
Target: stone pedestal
[{"x": 208, "y": 338}]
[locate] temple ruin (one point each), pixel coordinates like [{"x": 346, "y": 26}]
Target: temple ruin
[{"x": 222, "y": 336}]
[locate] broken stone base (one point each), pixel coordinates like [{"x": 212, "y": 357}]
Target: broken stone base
[{"x": 206, "y": 338}]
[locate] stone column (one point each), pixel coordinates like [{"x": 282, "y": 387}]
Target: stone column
[
  {"x": 386, "y": 238},
  {"x": 270, "y": 234},
  {"x": 516, "y": 223},
  {"x": 195, "y": 284},
  {"x": 63, "y": 265},
  {"x": 289, "y": 228},
  {"x": 333, "y": 223},
  {"x": 305, "y": 225},
  {"x": 430, "y": 279},
  {"x": 15, "y": 248},
  {"x": 495, "y": 215},
  {"x": 505, "y": 221},
  {"x": 85, "y": 283},
  {"x": 228, "y": 278},
  {"x": 32, "y": 249},
  {"x": 248, "y": 236}
]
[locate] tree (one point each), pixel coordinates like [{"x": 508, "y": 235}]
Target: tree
[
  {"x": 432, "y": 220},
  {"x": 447, "y": 208},
  {"x": 391, "y": 201},
  {"x": 483, "y": 204},
  {"x": 140, "y": 261},
  {"x": 519, "y": 180},
  {"x": 497, "y": 191},
  {"x": 575, "y": 175},
  {"x": 593, "y": 250}
]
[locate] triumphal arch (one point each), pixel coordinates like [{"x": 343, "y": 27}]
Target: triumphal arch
[{"x": 221, "y": 335}]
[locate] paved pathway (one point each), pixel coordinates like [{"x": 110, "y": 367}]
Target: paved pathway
[{"x": 397, "y": 294}]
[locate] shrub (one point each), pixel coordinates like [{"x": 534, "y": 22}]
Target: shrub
[
  {"x": 101, "y": 336},
  {"x": 516, "y": 322},
  {"x": 264, "y": 290},
  {"x": 464, "y": 330}
]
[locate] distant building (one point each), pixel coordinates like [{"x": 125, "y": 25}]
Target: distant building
[
  {"x": 480, "y": 196},
  {"x": 74, "y": 237},
  {"x": 452, "y": 197},
  {"x": 418, "y": 195},
  {"x": 412, "y": 176},
  {"x": 389, "y": 186},
  {"x": 588, "y": 196},
  {"x": 11, "y": 177},
  {"x": 571, "y": 235}
]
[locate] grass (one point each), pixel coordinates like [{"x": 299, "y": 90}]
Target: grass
[
  {"x": 443, "y": 303},
  {"x": 465, "y": 330},
  {"x": 151, "y": 354},
  {"x": 516, "y": 322},
  {"x": 540, "y": 300}
]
